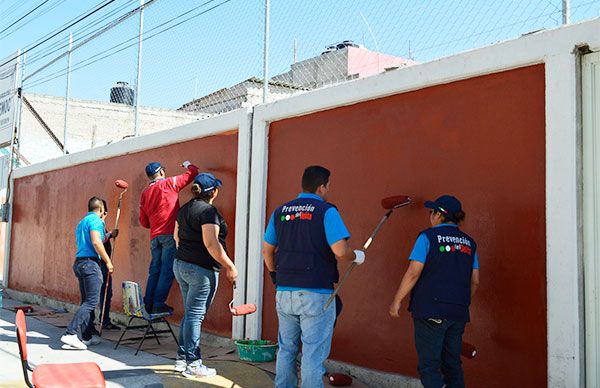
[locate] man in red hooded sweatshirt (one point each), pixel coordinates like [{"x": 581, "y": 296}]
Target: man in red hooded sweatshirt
[{"x": 159, "y": 205}]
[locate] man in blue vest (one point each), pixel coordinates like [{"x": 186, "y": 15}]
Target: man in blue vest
[
  {"x": 441, "y": 278},
  {"x": 303, "y": 241}
]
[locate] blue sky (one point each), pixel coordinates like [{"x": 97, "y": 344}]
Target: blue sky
[{"x": 225, "y": 45}]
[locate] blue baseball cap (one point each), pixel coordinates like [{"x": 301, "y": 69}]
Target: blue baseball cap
[
  {"x": 152, "y": 168},
  {"x": 448, "y": 205},
  {"x": 207, "y": 181}
]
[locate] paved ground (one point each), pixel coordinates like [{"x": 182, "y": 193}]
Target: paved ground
[
  {"x": 120, "y": 367},
  {"x": 151, "y": 368}
]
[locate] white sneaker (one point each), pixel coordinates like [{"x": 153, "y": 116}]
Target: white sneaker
[
  {"x": 180, "y": 365},
  {"x": 197, "y": 369},
  {"x": 92, "y": 341},
  {"x": 73, "y": 341}
]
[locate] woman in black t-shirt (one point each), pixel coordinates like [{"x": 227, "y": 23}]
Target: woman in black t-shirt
[{"x": 200, "y": 234}]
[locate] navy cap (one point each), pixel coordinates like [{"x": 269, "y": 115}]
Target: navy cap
[
  {"x": 446, "y": 204},
  {"x": 152, "y": 168},
  {"x": 207, "y": 181}
]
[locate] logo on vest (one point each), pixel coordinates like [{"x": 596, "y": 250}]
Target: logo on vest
[
  {"x": 458, "y": 244},
  {"x": 299, "y": 212}
]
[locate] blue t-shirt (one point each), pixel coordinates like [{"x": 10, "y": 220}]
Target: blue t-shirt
[
  {"x": 91, "y": 221},
  {"x": 421, "y": 249},
  {"x": 335, "y": 230}
]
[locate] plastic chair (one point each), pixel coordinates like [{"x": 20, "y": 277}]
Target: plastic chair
[
  {"x": 74, "y": 375},
  {"x": 133, "y": 306}
]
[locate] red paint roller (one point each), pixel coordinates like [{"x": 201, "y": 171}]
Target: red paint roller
[
  {"x": 121, "y": 184},
  {"x": 339, "y": 379},
  {"x": 395, "y": 202},
  {"x": 467, "y": 350},
  {"x": 243, "y": 309}
]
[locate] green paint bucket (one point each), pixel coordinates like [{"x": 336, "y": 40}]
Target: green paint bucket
[{"x": 256, "y": 350}]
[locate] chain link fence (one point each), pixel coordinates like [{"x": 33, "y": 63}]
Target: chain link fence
[{"x": 192, "y": 60}]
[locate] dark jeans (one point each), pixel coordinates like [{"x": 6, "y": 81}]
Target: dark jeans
[
  {"x": 160, "y": 274},
  {"x": 109, "y": 293},
  {"x": 90, "y": 285},
  {"x": 438, "y": 348}
]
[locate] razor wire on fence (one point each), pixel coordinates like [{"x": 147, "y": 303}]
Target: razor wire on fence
[{"x": 186, "y": 61}]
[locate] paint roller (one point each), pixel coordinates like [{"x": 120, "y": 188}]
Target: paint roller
[{"x": 243, "y": 309}]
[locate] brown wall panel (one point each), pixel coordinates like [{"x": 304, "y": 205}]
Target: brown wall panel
[
  {"x": 48, "y": 206},
  {"x": 481, "y": 139}
]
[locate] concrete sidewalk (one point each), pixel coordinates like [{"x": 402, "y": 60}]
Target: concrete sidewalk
[
  {"x": 151, "y": 368},
  {"x": 120, "y": 367}
]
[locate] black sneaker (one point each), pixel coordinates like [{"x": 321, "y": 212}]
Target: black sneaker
[
  {"x": 162, "y": 309},
  {"x": 110, "y": 326}
]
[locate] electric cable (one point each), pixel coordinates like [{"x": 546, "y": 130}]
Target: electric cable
[
  {"x": 77, "y": 35},
  {"x": 24, "y": 16},
  {"x": 90, "y": 38},
  {"x": 63, "y": 25},
  {"x": 82, "y": 64},
  {"x": 25, "y": 51},
  {"x": 42, "y": 13}
]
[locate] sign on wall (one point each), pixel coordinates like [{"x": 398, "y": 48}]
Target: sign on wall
[{"x": 8, "y": 96}]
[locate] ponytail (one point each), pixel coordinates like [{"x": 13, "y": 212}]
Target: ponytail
[{"x": 199, "y": 194}]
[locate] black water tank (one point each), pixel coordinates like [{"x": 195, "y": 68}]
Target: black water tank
[{"x": 122, "y": 93}]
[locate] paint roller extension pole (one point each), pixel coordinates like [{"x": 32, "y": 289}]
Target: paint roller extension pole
[
  {"x": 353, "y": 265},
  {"x": 390, "y": 203},
  {"x": 122, "y": 185}
]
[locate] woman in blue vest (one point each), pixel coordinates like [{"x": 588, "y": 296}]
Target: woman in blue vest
[{"x": 441, "y": 278}]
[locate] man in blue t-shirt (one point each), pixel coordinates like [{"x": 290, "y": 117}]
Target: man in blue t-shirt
[
  {"x": 303, "y": 242},
  {"x": 89, "y": 236},
  {"x": 441, "y": 279}
]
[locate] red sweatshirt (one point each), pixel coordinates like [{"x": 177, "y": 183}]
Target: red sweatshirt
[{"x": 160, "y": 202}]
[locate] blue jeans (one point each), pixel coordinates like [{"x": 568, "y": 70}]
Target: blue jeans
[
  {"x": 438, "y": 348},
  {"x": 198, "y": 287},
  {"x": 302, "y": 319},
  {"x": 160, "y": 274},
  {"x": 90, "y": 285}
]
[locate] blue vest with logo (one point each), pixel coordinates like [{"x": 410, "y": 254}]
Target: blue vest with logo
[
  {"x": 303, "y": 257},
  {"x": 443, "y": 290}
]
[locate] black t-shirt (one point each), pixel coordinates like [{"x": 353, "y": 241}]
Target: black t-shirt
[{"x": 190, "y": 218}]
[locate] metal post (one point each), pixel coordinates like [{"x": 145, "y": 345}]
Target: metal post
[
  {"x": 566, "y": 11},
  {"x": 67, "y": 94},
  {"x": 15, "y": 128},
  {"x": 266, "y": 53},
  {"x": 136, "y": 128},
  {"x": 295, "y": 51},
  {"x": 20, "y": 105}
]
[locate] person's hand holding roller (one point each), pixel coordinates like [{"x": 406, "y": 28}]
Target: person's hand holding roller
[
  {"x": 360, "y": 256},
  {"x": 395, "y": 308},
  {"x": 231, "y": 273},
  {"x": 110, "y": 267},
  {"x": 114, "y": 233},
  {"x": 186, "y": 164}
]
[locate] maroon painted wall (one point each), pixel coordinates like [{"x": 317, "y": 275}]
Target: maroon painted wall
[
  {"x": 48, "y": 206},
  {"x": 481, "y": 139}
]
